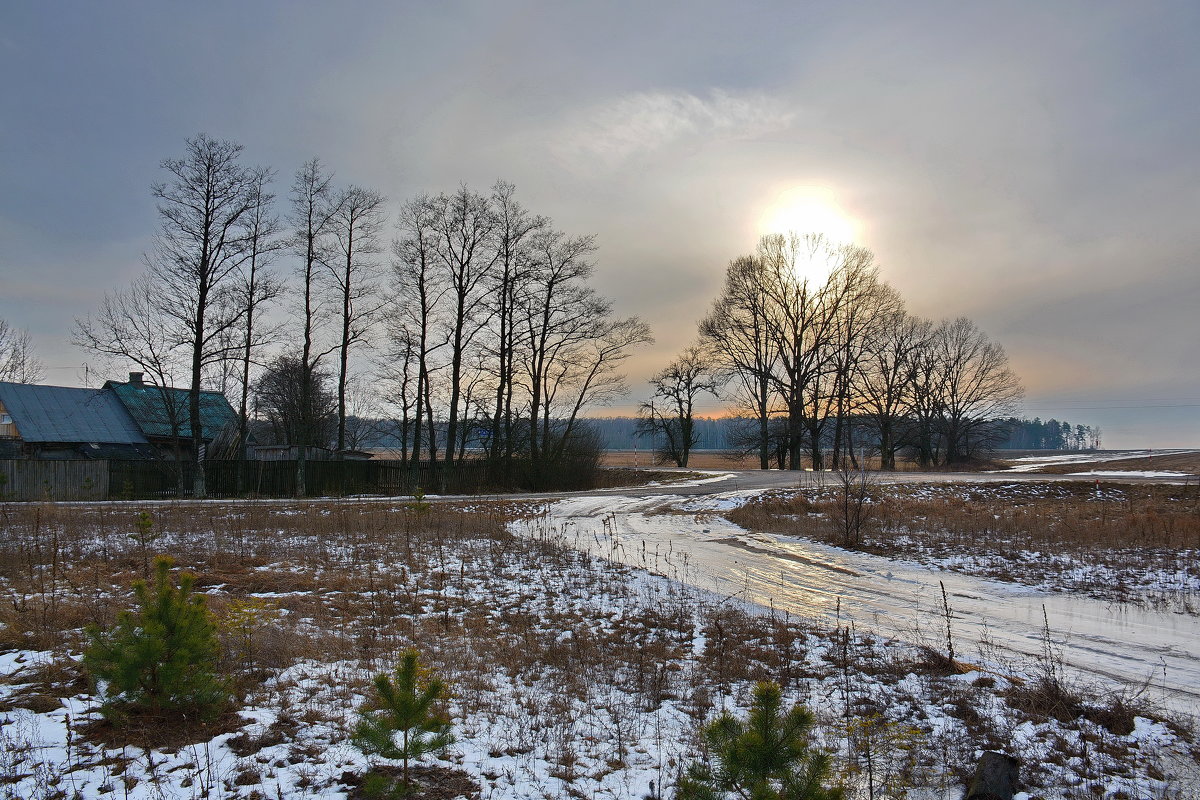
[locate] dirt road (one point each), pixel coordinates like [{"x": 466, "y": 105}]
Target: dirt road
[{"x": 672, "y": 530}]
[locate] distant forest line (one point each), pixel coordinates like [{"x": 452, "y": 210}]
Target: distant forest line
[{"x": 722, "y": 433}]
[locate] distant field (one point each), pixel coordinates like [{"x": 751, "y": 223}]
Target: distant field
[
  {"x": 711, "y": 459},
  {"x": 1169, "y": 460},
  {"x": 1188, "y": 461},
  {"x": 707, "y": 459}
]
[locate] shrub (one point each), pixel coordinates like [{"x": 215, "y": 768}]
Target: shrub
[
  {"x": 405, "y": 709},
  {"x": 765, "y": 757},
  {"x": 161, "y": 657}
]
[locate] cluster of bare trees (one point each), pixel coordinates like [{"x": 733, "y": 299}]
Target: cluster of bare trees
[
  {"x": 479, "y": 312},
  {"x": 18, "y": 364},
  {"x": 193, "y": 311},
  {"x": 494, "y": 329},
  {"x": 811, "y": 359}
]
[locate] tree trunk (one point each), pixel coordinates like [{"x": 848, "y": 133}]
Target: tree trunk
[{"x": 198, "y": 488}]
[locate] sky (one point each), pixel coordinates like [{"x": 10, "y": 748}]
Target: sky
[{"x": 1033, "y": 166}]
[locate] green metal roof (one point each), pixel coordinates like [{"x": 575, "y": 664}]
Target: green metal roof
[
  {"x": 153, "y": 409},
  {"x": 63, "y": 414}
]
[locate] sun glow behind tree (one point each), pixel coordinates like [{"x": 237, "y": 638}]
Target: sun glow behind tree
[{"x": 810, "y": 211}]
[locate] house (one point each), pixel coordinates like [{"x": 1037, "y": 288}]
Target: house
[
  {"x": 162, "y": 415},
  {"x": 131, "y": 420},
  {"x": 57, "y": 422}
]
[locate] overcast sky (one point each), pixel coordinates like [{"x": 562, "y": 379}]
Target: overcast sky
[{"x": 1034, "y": 166}]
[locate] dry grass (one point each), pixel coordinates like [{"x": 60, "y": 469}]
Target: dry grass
[
  {"x": 1061, "y": 534},
  {"x": 344, "y": 588},
  {"x": 706, "y": 459}
]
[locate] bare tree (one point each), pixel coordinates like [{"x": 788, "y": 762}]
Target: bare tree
[
  {"x": 353, "y": 273},
  {"x": 258, "y": 287},
  {"x": 976, "y": 387},
  {"x": 558, "y": 313},
  {"x": 515, "y": 227},
  {"x": 465, "y": 226},
  {"x": 885, "y": 379},
  {"x": 18, "y": 364},
  {"x": 493, "y": 328},
  {"x": 582, "y": 375},
  {"x": 364, "y": 418},
  {"x": 677, "y": 386},
  {"x": 202, "y": 237},
  {"x": 810, "y": 351},
  {"x": 417, "y": 289},
  {"x": 573, "y": 344},
  {"x": 852, "y": 509},
  {"x": 400, "y": 370},
  {"x": 133, "y": 327},
  {"x": 736, "y": 331},
  {"x": 314, "y": 210},
  {"x": 802, "y": 318},
  {"x": 860, "y": 303}
]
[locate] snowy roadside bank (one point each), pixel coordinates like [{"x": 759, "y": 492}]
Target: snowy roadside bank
[{"x": 1115, "y": 643}]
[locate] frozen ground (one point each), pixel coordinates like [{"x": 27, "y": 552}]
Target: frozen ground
[
  {"x": 1034, "y": 463},
  {"x": 1110, "y": 642},
  {"x": 1130, "y": 473},
  {"x": 545, "y": 729}
]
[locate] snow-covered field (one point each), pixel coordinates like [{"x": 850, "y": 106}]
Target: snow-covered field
[
  {"x": 1037, "y": 462},
  {"x": 573, "y": 675},
  {"x": 1130, "y": 473}
]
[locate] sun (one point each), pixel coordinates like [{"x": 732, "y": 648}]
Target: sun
[{"x": 809, "y": 209}]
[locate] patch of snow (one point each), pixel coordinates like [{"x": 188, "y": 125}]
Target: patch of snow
[{"x": 1130, "y": 473}]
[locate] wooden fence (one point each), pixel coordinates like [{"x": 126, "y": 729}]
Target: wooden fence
[
  {"x": 30, "y": 480},
  {"x": 26, "y": 480},
  {"x": 150, "y": 479},
  {"x": 22, "y": 479}
]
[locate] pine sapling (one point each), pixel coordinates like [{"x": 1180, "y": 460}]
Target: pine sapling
[
  {"x": 767, "y": 756},
  {"x": 163, "y": 656},
  {"x": 145, "y": 536},
  {"x": 405, "y": 723}
]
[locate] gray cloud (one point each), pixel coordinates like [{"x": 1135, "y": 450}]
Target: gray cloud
[
  {"x": 1032, "y": 166},
  {"x": 642, "y": 125}
]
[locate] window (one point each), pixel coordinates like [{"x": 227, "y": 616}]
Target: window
[{"x": 5, "y": 419}]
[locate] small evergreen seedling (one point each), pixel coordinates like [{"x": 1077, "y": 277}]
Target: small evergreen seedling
[
  {"x": 144, "y": 536},
  {"x": 418, "y": 504},
  {"x": 404, "y": 724},
  {"x": 163, "y": 656},
  {"x": 765, "y": 757}
]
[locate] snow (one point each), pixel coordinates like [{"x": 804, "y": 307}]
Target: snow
[
  {"x": 1033, "y": 463},
  {"x": 1130, "y": 473},
  {"x": 517, "y": 731},
  {"x": 1103, "y": 640}
]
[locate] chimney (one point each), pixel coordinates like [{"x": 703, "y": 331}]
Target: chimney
[{"x": 135, "y": 379}]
